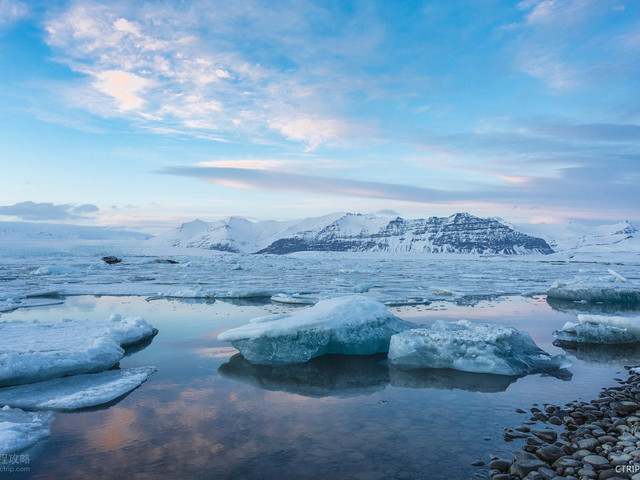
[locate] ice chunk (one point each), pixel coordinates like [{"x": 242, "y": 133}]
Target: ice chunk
[
  {"x": 295, "y": 299},
  {"x": 472, "y": 347},
  {"x": 32, "y": 352},
  {"x": 617, "y": 277},
  {"x": 351, "y": 325},
  {"x": 601, "y": 329},
  {"x": 77, "y": 391},
  {"x": 19, "y": 429},
  {"x": 611, "y": 289}
]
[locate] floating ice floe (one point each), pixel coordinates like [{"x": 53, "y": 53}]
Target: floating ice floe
[
  {"x": 612, "y": 289},
  {"x": 295, "y": 299},
  {"x": 75, "y": 392},
  {"x": 19, "y": 429},
  {"x": 599, "y": 329},
  {"x": 351, "y": 325},
  {"x": 472, "y": 347},
  {"x": 32, "y": 352}
]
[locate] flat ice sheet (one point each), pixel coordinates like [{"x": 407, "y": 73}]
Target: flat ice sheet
[
  {"x": 75, "y": 392},
  {"x": 32, "y": 352},
  {"x": 20, "y": 429}
]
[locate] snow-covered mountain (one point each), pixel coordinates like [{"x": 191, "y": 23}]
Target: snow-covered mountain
[
  {"x": 347, "y": 232},
  {"x": 575, "y": 238}
]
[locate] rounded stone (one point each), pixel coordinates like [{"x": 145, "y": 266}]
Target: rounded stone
[
  {"x": 595, "y": 460},
  {"x": 548, "y": 436},
  {"x": 500, "y": 464}
]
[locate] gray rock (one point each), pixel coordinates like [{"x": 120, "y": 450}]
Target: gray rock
[
  {"x": 554, "y": 420},
  {"x": 610, "y": 474},
  {"x": 550, "y": 453},
  {"x": 619, "y": 459},
  {"x": 625, "y": 407},
  {"x": 589, "y": 443},
  {"x": 607, "y": 439},
  {"x": 535, "y": 476},
  {"x": 566, "y": 461},
  {"x": 595, "y": 460},
  {"x": 524, "y": 464},
  {"x": 548, "y": 436},
  {"x": 500, "y": 464}
]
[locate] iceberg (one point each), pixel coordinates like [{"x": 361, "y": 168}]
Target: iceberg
[
  {"x": 350, "y": 325},
  {"x": 612, "y": 289},
  {"x": 599, "y": 329},
  {"x": 472, "y": 347},
  {"x": 75, "y": 392},
  {"x": 33, "y": 352},
  {"x": 20, "y": 430}
]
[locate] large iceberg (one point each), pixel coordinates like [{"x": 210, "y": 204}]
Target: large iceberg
[
  {"x": 19, "y": 429},
  {"x": 599, "y": 329},
  {"x": 32, "y": 352},
  {"x": 75, "y": 392},
  {"x": 351, "y": 325},
  {"x": 609, "y": 289},
  {"x": 472, "y": 347}
]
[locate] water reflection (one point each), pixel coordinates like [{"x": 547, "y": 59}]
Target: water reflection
[
  {"x": 329, "y": 375},
  {"x": 445, "y": 379},
  {"x": 615, "y": 355},
  {"x": 201, "y": 416},
  {"x": 347, "y": 376}
]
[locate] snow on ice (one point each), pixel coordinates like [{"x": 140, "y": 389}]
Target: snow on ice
[
  {"x": 471, "y": 347},
  {"x": 19, "y": 429},
  {"x": 31, "y": 352},
  {"x": 351, "y": 325},
  {"x": 77, "y": 391},
  {"x": 613, "y": 288},
  {"x": 599, "y": 329}
]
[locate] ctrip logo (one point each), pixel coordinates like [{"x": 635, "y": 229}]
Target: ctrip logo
[{"x": 628, "y": 468}]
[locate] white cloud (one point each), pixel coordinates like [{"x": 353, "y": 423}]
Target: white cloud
[
  {"x": 12, "y": 11},
  {"x": 148, "y": 60},
  {"x": 313, "y": 131},
  {"x": 125, "y": 87}
]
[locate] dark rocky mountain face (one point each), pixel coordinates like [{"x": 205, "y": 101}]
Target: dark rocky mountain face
[{"x": 459, "y": 233}]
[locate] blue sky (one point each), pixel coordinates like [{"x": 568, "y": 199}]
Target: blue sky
[{"x": 149, "y": 114}]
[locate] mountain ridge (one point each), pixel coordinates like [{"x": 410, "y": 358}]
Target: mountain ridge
[{"x": 349, "y": 232}]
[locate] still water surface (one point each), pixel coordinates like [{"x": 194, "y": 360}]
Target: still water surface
[{"x": 207, "y": 413}]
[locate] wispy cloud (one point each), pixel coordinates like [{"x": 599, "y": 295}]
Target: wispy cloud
[
  {"x": 12, "y": 11},
  {"x": 48, "y": 211},
  {"x": 185, "y": 69},
  {"x": 276, "y": 180},
  {"x": 563, "y": 44}
]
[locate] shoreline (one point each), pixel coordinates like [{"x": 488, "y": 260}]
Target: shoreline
[{"x": 599, "y": 439}]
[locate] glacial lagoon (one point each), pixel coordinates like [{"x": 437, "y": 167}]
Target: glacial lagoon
[{"x": 209, "y": 413}]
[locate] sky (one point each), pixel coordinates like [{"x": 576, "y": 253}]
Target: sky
[{"x": 149, "y": 114}]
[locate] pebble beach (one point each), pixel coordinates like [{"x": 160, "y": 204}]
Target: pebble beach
[{"x": 599, "y": 439}]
